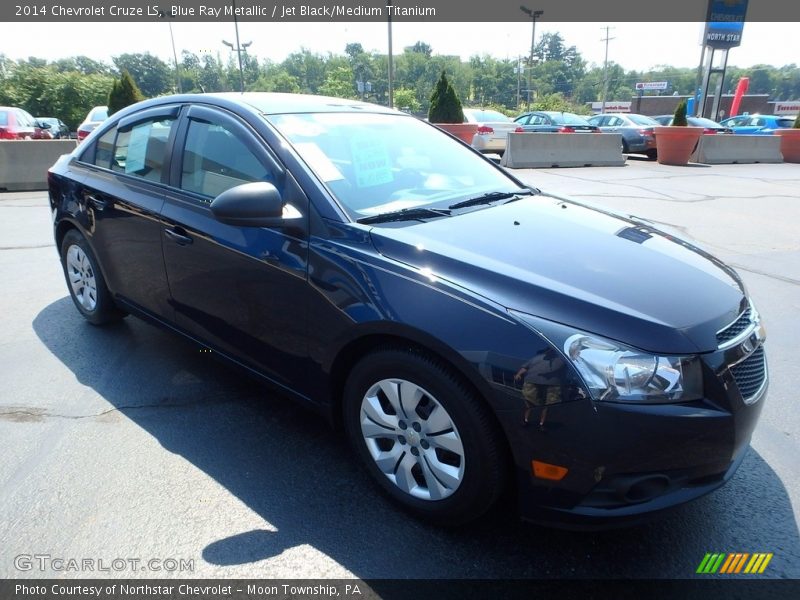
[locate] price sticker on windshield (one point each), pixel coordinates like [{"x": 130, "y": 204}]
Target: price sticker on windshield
[{"x": 371, "y": 161}]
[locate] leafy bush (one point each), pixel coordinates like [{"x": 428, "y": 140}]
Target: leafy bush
[
  {"x": 679, "y": 118},
  {"x": 445, "y": 105},
  {"x": 797, "y": 122}
]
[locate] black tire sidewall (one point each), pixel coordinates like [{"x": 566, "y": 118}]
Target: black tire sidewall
[
  {"x": 483, "y": 473},
  {"x": 104, "y": 311}
]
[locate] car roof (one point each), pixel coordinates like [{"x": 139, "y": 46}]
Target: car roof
[
  {"x": 267, "y": 103},
  {"x": 281, "y": 103}
]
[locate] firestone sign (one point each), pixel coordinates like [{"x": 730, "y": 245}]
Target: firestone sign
[
  {"x": 646, "y": 86},
  {"x": 724, "y": 23}
]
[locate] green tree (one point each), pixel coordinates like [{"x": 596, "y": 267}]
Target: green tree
[
  {"x": 339, "y": 83},
  {"x": 124, "y": 92},
  {"x": 276, "y": 79},
  {"x": 152, "y": 74},
  {"x": 406, "y": 100},
  {"x": 445, "y": 105}
]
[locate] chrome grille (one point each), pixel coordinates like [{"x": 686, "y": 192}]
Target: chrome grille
[
  {"x": 737, "y": 327},
  {"x": 750, "y": 374}
]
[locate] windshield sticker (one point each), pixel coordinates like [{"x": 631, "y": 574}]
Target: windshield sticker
[
  {"x": 137, "y": 148},
  {"x": 371, "y": 161}
]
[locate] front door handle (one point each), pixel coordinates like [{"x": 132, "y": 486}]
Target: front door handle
[
  {"x": 178, "y": 235},
  {"x": 96, "y": 202}
]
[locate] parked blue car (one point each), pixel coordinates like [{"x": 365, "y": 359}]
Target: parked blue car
[{"x": 758, "y": 124}]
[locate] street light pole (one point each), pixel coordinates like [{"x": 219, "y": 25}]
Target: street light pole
[
  {"x": 239, "y": 48},
  {"x": 391, "y": 60},
  {"x": 533, "y": 14}
]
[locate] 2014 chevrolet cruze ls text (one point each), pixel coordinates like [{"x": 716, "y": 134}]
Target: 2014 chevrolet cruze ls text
[{"x": 468, "y": 332}]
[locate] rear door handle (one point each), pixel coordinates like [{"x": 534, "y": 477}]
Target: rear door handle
[{"x": 178, "y": 235}]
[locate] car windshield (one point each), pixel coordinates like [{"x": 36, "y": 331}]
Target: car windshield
[
  {"x": 642, "y": 120},
  {"x": 99, "y": 114},
  {"x": 3, "y": 117},
  {"x": 785, "y": 122},
  {"x": 485, "y": 116},
  {"x": 378, "y": 163},
  {"x": 567, "y": 119}
]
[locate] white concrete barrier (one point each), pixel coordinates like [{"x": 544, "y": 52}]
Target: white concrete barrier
[
  {"x": 722, "y": 149},
  {"x": 24, "y": 163},
  {"x": 541, "y": 150}
]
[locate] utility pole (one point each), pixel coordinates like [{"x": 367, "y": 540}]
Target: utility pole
[
  {"x": 533, "y": 14},
  {"x": 605, "y": 70},
  {"x": 175, "y": 56},
  {"x": 519, "y": 78}
]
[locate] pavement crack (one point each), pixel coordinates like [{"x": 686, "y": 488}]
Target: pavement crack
[
  {"x": 788, "y": 280},
  {"x": 31, "y": 247},
  {"x": 35, "y": 414}
]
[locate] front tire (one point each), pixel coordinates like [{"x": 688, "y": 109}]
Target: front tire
[
  {"x": 85, "y": 281},
  {"x": 424, "y": 436}
]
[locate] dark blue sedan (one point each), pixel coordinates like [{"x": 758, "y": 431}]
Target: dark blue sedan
[{"x": 469, "y": 334}]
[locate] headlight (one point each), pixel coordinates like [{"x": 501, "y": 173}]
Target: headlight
[{"x": 615, "y": 372}]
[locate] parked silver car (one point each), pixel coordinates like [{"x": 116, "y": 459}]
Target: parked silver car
[
  {"x": 493, "y": 129},
  {"x": 636, "y": 130}
]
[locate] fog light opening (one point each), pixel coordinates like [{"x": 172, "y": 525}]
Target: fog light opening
[{"x": 647, "y": 488}]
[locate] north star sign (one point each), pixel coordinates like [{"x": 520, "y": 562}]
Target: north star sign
[{"x": 724, "y": 23}]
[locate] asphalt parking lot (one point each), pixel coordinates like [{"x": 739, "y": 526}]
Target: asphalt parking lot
[{"x": 127, "y": 442}]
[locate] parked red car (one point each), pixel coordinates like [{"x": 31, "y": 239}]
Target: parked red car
[{"x": 18, "y": 124}]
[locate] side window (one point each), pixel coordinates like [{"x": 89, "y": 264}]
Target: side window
[
  {"x": 24, "y": 119},
  {"x": 536, "y": 120},
  {"x": 104, "y": 149},
  {"x": 140, "y": 151},
  {"x": 215, "y": 160}
]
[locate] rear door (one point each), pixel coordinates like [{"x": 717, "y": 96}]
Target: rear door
[
  {"x": 240, "y": 290},
  {"x": 127, "y": 169}
]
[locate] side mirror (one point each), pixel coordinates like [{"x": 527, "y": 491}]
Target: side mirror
[{"x": 257, "y": 204}]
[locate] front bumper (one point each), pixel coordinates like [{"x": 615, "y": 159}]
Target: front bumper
[{"x": 629, "y": 462}]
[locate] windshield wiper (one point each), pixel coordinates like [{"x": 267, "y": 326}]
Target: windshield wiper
[
  {"x": 492, "y": 197},
  {"x": 406, "y": 214}
]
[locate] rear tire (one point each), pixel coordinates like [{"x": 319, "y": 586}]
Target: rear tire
[
  {"x": 85, "y": 281},
  {"x": 424, "y": 436},
  {"x": 652, "y": 154}
]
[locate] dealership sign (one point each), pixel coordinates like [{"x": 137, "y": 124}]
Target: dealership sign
[
  {"x": 612, "y": 107},
  {"x": 724, "y": 23},
  {"x": 646, "y": 86}
]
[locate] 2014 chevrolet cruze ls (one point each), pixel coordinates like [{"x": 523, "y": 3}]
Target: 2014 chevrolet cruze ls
[{"x": 468, "y": 332}]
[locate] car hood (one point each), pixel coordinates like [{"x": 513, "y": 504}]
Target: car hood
[{"x": 566, "y": 262}]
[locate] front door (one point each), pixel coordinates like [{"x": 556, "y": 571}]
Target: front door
[{"x": 240, "y": 290}]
